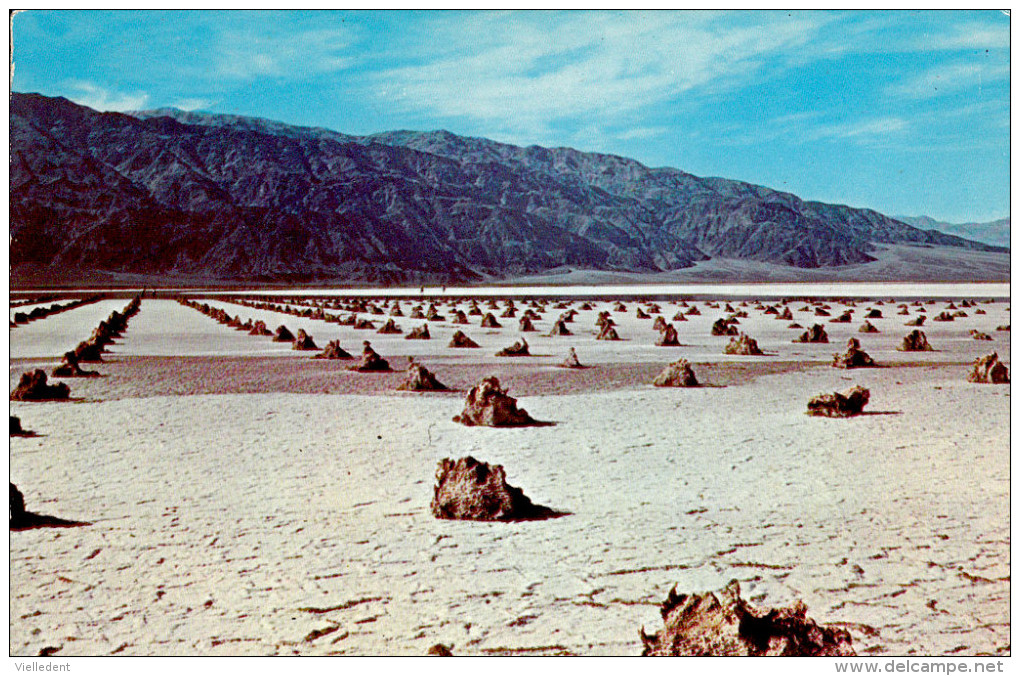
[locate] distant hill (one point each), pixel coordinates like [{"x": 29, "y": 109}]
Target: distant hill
[
  {"x": 993, "y": 232},
  {"x": 169, "y": 197}
]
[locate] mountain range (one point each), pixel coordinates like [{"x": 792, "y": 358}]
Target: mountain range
[
  {"x": 167, "y": 196},
  {"x": 993, "y": 232}
]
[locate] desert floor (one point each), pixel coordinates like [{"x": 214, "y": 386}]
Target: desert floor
[{"x": 243, "y": 498}]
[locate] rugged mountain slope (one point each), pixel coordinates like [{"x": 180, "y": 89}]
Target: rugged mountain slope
[
  {"x": 169, "y": 194},
  {"x": 995, "y": 233}
]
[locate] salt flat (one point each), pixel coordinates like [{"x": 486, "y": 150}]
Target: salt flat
[{"x": 281, "y": 522}]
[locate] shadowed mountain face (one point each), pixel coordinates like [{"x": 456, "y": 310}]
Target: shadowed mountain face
[{"x": 172, "y": 195}]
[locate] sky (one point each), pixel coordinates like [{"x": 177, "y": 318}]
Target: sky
[{"x": 903, "y": 112}]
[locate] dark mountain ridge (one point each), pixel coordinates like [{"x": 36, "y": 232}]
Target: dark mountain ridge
[{"x": 169, "y": 194}]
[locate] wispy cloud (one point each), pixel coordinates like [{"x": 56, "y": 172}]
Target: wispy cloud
[
  {"x": 99, "y": 98},
  {"x": 865, "y": 130},
  {"x": 536, "y": 69},
  {"x": 949, "y": 77},
  {"x": 193, "y": 104},
  {"x": 250, "y": 54}
]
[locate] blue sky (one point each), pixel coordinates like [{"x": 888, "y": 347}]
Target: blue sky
[{"x": 903, "y": 112}]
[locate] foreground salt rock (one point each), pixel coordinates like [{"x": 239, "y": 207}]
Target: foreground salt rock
[
  {"x": 677, "y": 374},
  {"x": 721, "y": 623},
  {"x": 420, "y": 379},
  {"x": 33, "y": 387},
  {"x": 333, "y": 351},
  {"x": 571, "y": 362},
  {"x": 489, "y": 405},
  {"x": 370, "y": 360},
  {"x": 743, "y": 344},
  {"x": 915, "y": 341},
  {"x": 840, "y": 404},
  {"x": 22, "y": 519},
  {"x": 259, "y": 329},
  {"x": 467, "y": 489},
  {"x": 439, "y": 650},
  {"x": 853, "y": 358},
  {"x": 16, "y": 429},
  {"x": 990, "y": 370}
]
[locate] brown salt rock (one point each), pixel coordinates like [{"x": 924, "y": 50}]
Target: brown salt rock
[
  {"x": 69, "y": 368},
  {"x": 304, "y": 341},
  {"x": 990, "y": 370},
  {"x": 460, "y": 339},
  {"x": 470, "y": 490},
  {"x": 867, "y": 327},
  {"x": 677, "y": 374},
  {"x": 839, "y": 404},
  {"x": 816, "y": 334},
  {"x": 526, "y": 325},
  {"x": 259, "y": 329},
  {"x": 743, "y": 344},
  {"x": 721, "y": 623},
  {"x": 489, "y": 405},
  {"x": 33, "y": 387},
  {"x": 370, "y": 360},
  {"x": 489, "y": 322},
  {"x": 853, "y": 358},
  {"x": 420, "y": 379},
  {"x": 668, "y": 337},
  {"x": 390, "y": 327},
  {"x": 571, "y": 362},
  {"x": 722, "y": 327},
  {"x": 283, "y": 335},
  {"x": 559, "y": 328},
  {"x": 518, "y": 349},
  {"x": 607, "y": 333},
  {"x": 915, "y": 341},
  {"x": 333, "y": 351},
  {"x": 979, "y": 335},
  {"x": 419, "y": 333}
]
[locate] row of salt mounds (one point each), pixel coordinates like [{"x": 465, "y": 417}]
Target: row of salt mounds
[
  {"x": 840, "y": 404},
  {"x": 467, "y": 489},
  {"x": 56, "y": 308},
  {"x": 724, "y": 624},
  {"x": 989, "y": 370}
]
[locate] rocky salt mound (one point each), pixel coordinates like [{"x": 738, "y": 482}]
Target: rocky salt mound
[
  {"x": 304, "y": 342},
  {"x": 816, "y": 334},
  {"x": 518, "y": 349},
  {"x": 559, "y": 328},
  {"x": 915, "y": 341},
  {"x": 22, "y": 519},
  {"x": 989, "y": 370},
  {"x": 723, "y": 327},
  {"x": 607, "y": 333},
  {"x": 489, "y": 405},
  {"x": 526, "y": 325},
  {"x": 867, "y": 327},
  {"x": 743, "y": 344},
  {"x": 571, "y": 362},
  {"x": 419, "y": 333},
  {"x": 853, "y": 358},
  {"x": 677, "y": 374},
  {"x": 489, "y": 322},
  {"x": 668, "y": 337},
  {"x": 420, "y": 379},
  {"x": 840, "y": 404},
  {"x": 283, "y": 335},
  {"x": 460, "y": 339},
  {"x": 259, "y": 329},
  {"x": 333, "y": 351},
  {"x": 370, "y": 361},
  {"x": 69, "y": 368},
  {"x": 33, "y": 387},
  {"x": 467, "y": 489},
  {"x": 390, "y": 327},
  {"x": 721, "y": 623}
]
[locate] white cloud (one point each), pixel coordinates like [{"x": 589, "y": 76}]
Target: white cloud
[
  {"x": 249, "y": 54},
  {"x": 99, "y": 98},
  {"x": 643, "y": 132},
  {"x": 860, "y": 131},
  {"x": 192, "y": 104},
  {"x": 537, "y": 69},
  {"x": 948, "y": 78}
]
